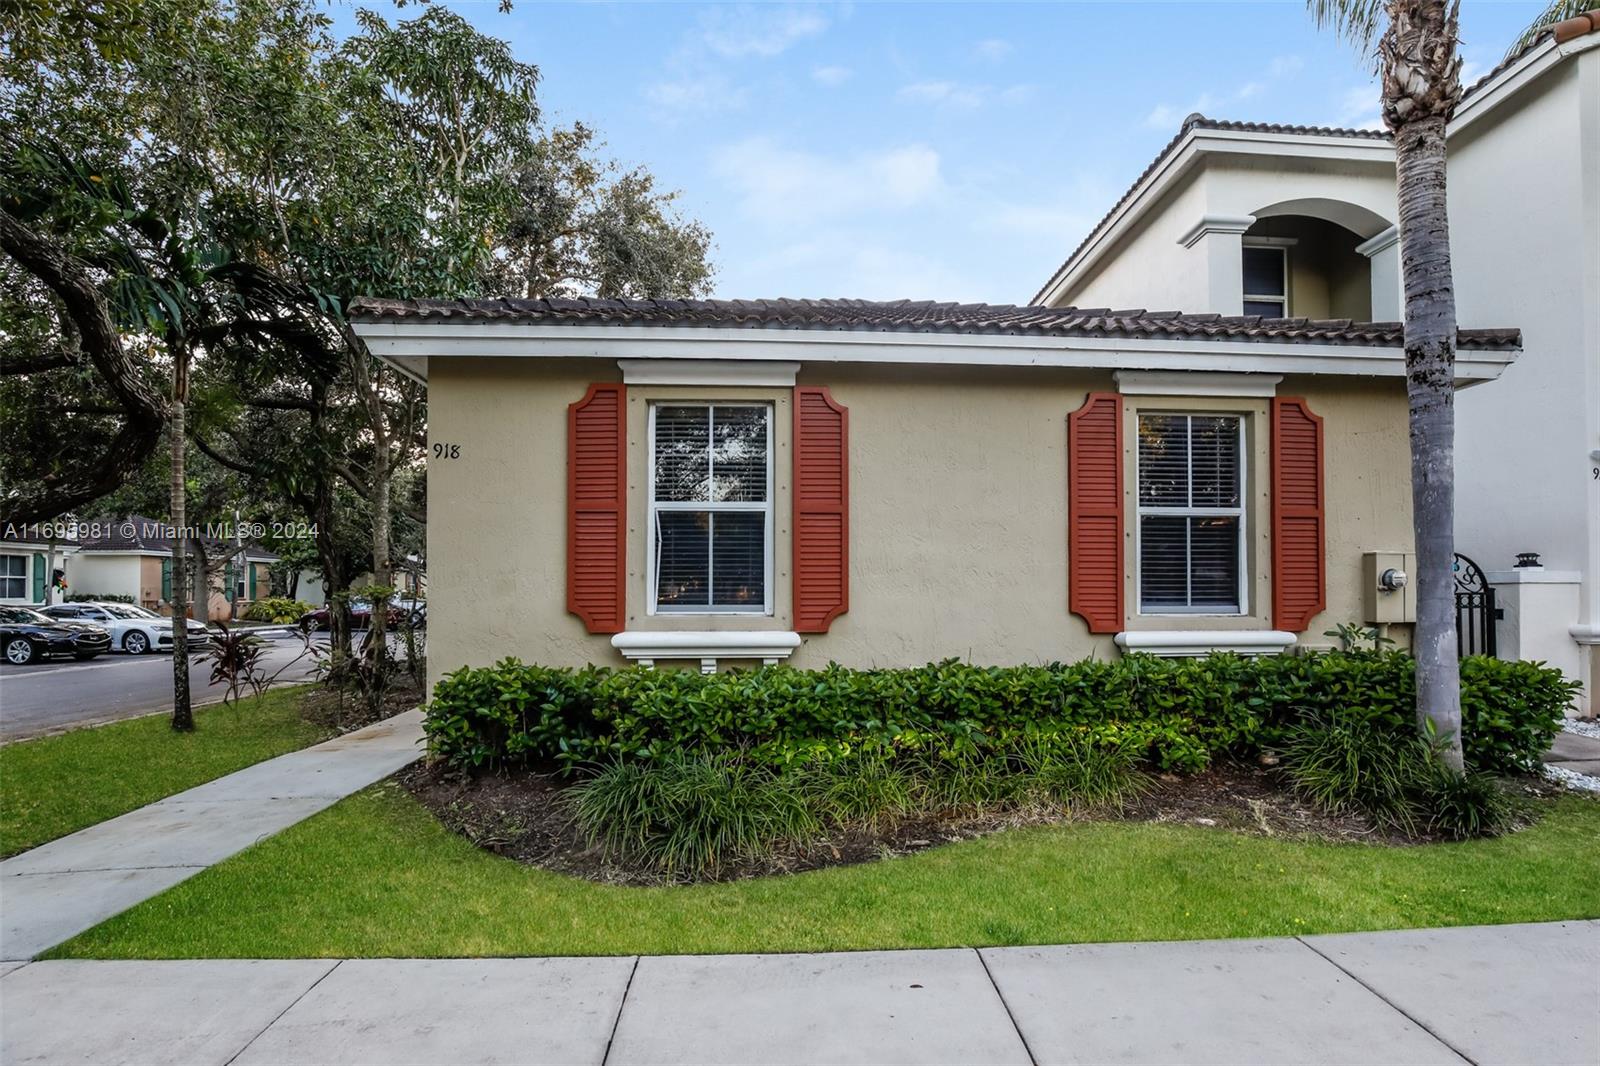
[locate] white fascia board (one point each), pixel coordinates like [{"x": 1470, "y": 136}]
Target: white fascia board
[
  {"x": 1195, "y": 383},
  {"x": 743, "y": 372},
  {"x": 1202, "y": 142},
  {"x": 437, "y": 340},
  {"x": 1508, "y": 82}
]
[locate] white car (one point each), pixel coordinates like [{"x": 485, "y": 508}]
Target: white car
[{"x": 133, "y": 629}]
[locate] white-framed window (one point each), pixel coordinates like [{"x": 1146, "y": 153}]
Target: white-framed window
[
  {"x": 1191, "y": 522},
  {"x": 1266, "y": 280},
  {"x": 14, "y": 577},
  {"x": 710, "y": 543}
]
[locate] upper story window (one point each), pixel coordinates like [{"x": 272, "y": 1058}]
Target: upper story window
[
  {"x": 1266, "y": 281},
  {"x": 710, "y": 508},
  {"x": 13, "y": 577},
  {"x": 1191, "y": 514}
]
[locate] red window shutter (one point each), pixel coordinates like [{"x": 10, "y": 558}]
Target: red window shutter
[
  {"x": 1094, "y": 512},
  {"x": 597, "y": 492},
  {"x": 1299, "y": 577},
  {"x": 821, "y": 509}
]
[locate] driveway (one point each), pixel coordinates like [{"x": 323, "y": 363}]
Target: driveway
[{"x": 62, "y": 694}]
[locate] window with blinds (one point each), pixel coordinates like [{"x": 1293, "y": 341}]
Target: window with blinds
[
  {"x": 710, "y": 508},
  {"x": 13, "y": 577},
  {"x": 1191, "y": 514}
]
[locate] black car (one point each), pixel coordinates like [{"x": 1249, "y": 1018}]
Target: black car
[{"x": 27, "y": 636}]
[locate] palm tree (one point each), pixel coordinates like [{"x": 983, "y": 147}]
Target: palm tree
[{"x": 1413, "y": 43}]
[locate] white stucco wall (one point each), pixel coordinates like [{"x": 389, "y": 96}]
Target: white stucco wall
[
  {"x": 103, "y": 575},
  {"x": 1148, "y": 267}
]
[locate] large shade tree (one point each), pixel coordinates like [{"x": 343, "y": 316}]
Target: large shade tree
[{"x": 1414, "y": 46}]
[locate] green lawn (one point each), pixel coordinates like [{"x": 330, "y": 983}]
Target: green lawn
[
  {"x": 376, "y": 875},
  {"x": 57, "y": 785}
]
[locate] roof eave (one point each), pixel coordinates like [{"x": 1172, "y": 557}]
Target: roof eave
[{"x": 410, "y": 345}]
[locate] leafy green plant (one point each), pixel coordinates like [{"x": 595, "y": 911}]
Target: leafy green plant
[
  {"x": 1176, "y": 713},
  {"x": 1344, "y": 764},
  {"x": 278, "y": 610},
  {"x": 1354, "y": 638},
  {"x": 1465, "y": 806},
  {"x": 868, "y": 790},
  {"x": 234, "y": 657},
  {"x": 691, "y": 813},
  {"x": 1076, "y": 770}
]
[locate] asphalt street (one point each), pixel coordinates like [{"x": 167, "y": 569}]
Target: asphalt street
[{"x": 60, "y": 694}]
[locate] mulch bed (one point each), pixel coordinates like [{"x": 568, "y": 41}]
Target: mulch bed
[
  {"x": 523, "y": 816},
  {"x": 343, "y": 712}
]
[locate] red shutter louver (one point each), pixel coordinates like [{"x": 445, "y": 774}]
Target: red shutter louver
[
  {"x": 821, "y": 509},
  {"x": 1298, "y": 569},
  {"x": 597, "y": 491},
  {"x": 1094, "y": 512}
]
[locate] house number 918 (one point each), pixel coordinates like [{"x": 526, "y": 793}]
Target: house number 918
[{"x": 447, "y": 451}]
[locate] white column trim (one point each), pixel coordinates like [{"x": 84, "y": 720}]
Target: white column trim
[
  {"x": 1195, "y": 383},
  {"x": 1379, "y": 243},
  {"x": 1210, "y": 224}
]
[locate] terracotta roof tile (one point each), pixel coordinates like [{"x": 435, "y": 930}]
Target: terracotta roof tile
[{"x": 907, "y": 316}]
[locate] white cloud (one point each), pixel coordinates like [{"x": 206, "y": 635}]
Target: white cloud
[
  {"x": 779, "y": 185},
  {"x": 993, "y": 49},
  {"x": 1170, "y": 116},
  {"x": 1249, "y": 89},
  {"x": 831, "y": 76},
  {"x": 702, "y": 92},
  {"x": 742, "y": 31},
  {"x": 943, "y": 94},
  {"x": 1283, "y": 66},
  {"x": 960, "y": 96},
  {"x": 1360, "y": 108}
]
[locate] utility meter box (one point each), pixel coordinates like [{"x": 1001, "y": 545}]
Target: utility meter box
[{"x": 1388, "y": 589}]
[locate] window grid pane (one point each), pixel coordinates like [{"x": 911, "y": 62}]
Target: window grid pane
[
  {"x": 714, "y": 556},
  {"x": 1191, "y": 477}
]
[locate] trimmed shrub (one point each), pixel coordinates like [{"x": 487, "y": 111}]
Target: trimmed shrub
[
  {"x": 1176, "y": 713},
  {"x": 279, "y": 610}
]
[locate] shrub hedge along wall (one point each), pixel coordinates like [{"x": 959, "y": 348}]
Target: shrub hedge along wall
[{"x": 1180, "y": 712}]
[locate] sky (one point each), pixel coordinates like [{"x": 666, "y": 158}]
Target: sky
[{"x": 950, "y": 151}]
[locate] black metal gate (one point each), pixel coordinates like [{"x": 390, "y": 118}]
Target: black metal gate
[{"x": 1475, "y": 609}]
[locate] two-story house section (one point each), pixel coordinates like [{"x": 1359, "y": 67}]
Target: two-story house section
[{"x": 1296, "y": 222}]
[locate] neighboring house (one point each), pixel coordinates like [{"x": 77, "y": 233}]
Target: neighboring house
[
  {"x": 881, "y": 484},
  {"x": 132, "y": 557},
  {"x": 1252, "y": 219},
  {"x": 25, "y": 570}
]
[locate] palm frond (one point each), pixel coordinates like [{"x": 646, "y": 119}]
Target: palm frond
[
  {"x": 1558, "y": 11},
  {"x": 1358, "y": 21}
]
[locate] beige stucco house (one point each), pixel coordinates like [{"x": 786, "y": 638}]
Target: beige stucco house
[
  {"x": 712, "y": 482},
  {"x": 1245, "y": 218},
  {"x": 131, "y": 557}
]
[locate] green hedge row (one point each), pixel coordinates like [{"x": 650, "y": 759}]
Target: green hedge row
[{"x": 1180, "y": 712}]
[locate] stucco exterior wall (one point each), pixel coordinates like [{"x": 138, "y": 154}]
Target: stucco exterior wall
[
  {"x": 1149, "y": 268},
  {"x": 958, "y": 518},
  {"x": 1526, "y": 480},
  {"x": 106, "y": 575}
]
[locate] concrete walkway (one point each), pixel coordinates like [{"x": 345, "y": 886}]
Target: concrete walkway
[
  {"x": 1574, "y": 752},
  {"x": 1494, "y": 994},
  {"x": 59, "y": 889}
]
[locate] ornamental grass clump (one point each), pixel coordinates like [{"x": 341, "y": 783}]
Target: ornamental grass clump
[
  {"x": 1348, "y": 764},
  {"x": 689, "y": 814},
  {"x": 869, "y": 790},
  {"x": 1078, "y": 772}
]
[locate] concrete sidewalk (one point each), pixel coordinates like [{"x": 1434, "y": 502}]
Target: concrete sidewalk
[
  {"x": 59, "y": 889},
  {"x": 1494, "y": 994}
]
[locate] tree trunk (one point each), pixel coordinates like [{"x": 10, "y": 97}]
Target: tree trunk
[
  {"x": 202, "y": 570},
  {"x": 1430, "y": 344},
  {"x": 182, "y": 711},
  {"x": 50, "y": 574}
]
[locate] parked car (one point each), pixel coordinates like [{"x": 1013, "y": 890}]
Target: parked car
[
  {"x": 134, "y": 630},
  {"x": 360, "y": 616},
  {"x": 28, "y": 636}
]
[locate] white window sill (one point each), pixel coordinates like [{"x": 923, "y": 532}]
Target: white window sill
[
  {"x": 1183, "y": 643},
  {"x": 771, "y": 646}
]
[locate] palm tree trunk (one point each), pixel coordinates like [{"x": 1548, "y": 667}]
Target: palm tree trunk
[
  {"x": 182, "y": 710},
  {"x": 1430, "y": 346}
]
